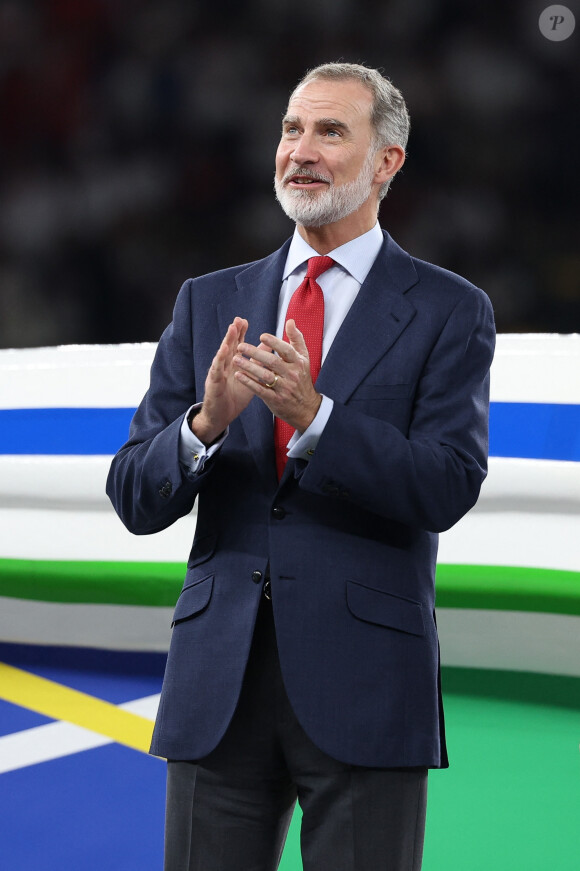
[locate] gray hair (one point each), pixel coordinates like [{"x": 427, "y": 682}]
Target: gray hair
[{"x": 390, "y": 120}]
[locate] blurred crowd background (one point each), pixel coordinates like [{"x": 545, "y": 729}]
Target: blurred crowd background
[{"x": 137, "y": 140}]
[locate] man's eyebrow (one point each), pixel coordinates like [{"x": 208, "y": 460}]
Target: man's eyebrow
[
  {"x": 332, "y": 122},
  {"x": 289, "y": 120}
]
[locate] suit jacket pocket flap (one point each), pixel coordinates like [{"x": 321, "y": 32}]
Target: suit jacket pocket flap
[
  {"x": 193, "y": 599},
  {"x": 374, "y": 606}
]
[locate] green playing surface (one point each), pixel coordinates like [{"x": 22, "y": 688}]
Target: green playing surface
[{"x": 511, "y": 799}]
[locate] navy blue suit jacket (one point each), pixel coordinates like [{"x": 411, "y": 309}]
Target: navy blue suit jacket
[{"x": 352, "y": 543}]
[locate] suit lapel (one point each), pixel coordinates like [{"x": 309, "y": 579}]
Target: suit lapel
[
  {"x": 376, "y": 319},
  {"x": 256, "y": 299}
]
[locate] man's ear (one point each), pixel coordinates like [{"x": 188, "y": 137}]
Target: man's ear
[{"x": 392, "y": 157}]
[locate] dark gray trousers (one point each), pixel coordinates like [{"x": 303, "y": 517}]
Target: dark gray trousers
[{"x": 230, "y": 811}]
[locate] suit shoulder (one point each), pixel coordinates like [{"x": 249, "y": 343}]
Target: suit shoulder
[
  {"x": 442, "y": 277},
  {"x": 218, "y": 277},
  {"x": 448, "y": 283},
  {"x": 222, "y": 280},
  {"x": 206, "y": 290},
  {"x": 430, "y": 283}
]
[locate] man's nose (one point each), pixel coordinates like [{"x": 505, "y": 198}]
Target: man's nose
[{"x": 304, "y": 151}]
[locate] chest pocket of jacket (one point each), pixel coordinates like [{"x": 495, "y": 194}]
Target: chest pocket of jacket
[{"x": 379, "y": 392}]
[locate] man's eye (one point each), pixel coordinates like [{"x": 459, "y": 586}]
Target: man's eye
[
  {"x": 291, "y": 130},
  {"x": 332, "y": 133}
]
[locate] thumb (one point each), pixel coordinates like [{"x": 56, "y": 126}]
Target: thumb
[{"x": 296, "y": 338}]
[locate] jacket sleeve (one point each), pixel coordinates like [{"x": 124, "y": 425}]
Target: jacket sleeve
[
  {"x": 430, "y": 476},
  {"x": 146, "y": 484}
]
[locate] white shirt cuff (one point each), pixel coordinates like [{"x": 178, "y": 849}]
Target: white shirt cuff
[
  {"x": 302, "y": 447},
  {"x": 193, "y": 454}
]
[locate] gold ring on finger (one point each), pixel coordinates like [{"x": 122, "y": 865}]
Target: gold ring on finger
[{"x": 272, "y": 383}]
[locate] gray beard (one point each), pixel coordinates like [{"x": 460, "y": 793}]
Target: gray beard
[{"x": 317, "y": 209}]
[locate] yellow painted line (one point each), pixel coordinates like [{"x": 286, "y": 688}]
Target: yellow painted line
[{"x": 62, "y": 703}]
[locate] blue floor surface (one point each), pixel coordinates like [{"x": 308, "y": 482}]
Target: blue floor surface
[
  {"x": 96, "y": 810},
  {"x": 510, "y": 801}
]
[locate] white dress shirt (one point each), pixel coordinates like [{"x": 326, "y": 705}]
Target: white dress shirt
[{"x": 340, "y": 285}]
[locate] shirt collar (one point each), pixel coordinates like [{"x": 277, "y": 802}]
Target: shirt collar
[{"x": 356, "y": 256}]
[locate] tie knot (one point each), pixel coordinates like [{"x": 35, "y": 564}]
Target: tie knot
[{"x": 318, "y": 265}]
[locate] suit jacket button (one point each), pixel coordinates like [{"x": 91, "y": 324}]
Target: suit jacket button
[
  {"x": 256, "y": 577},
  {"x": 166, "y": 490},
  {"x": 330, "y": 489},
  {"x": 279, "y": 512}
]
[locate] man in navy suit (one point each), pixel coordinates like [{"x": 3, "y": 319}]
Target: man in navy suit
[{"x": 304, "y": 661}]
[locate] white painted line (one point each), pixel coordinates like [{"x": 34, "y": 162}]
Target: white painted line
[{"x": 58, "y": 739}]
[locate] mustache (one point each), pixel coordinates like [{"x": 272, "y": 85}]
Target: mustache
[{"x": 306, "y": 173}]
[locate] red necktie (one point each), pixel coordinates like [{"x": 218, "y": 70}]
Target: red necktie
[{"x": 306, "y": 308}]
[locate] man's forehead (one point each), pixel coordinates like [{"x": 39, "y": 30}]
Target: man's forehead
[{"x": 331, "y": 99}]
